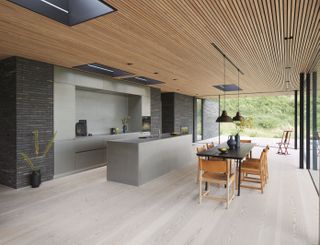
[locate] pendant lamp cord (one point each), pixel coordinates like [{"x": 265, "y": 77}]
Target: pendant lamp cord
[
  {"x": 238, "y": 92},
  {"x": 224, "y": 78}
]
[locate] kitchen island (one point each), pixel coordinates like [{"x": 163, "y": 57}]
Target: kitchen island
[{"x": 137, "y": 161}]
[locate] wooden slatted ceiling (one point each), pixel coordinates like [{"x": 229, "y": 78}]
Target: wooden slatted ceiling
[{"x": 174, "y": 39}]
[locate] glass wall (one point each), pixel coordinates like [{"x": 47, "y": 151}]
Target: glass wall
[
  {"x": 314, "y": 130},
  {"x": 267, "y": 116},
  {"x": 199, "y": 114}
]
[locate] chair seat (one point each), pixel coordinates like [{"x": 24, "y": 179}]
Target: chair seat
[
  {"x": 216, "y": 176},
  {"x": 251, "y": 163}
]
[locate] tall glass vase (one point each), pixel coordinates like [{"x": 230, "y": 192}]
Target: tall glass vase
[{"x": 237, "y": 138}]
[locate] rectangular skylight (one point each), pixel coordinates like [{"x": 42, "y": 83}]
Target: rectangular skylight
[
  {"x": 99, "y": 67},
  {"x": 227, "y": 87},
  {"x": 55, "y": 6},
  {"x": 143, "y": 80},
  {"x": 103, "y": 69},
  {"x": 68, "y": 12}
]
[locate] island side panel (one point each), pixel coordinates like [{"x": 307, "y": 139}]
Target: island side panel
[
  {"x": 161, "y": 156},
  {"x": 122, "y": 162}
]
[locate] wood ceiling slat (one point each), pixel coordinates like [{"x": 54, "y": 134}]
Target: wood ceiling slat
[{"x": 173, "y": 38}]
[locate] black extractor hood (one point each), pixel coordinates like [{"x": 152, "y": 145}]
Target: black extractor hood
[{"x": 68, "y": 12}]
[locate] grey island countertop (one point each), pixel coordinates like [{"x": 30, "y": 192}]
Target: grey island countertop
[
  {"x": 136, "y": 161},
  {"x": 144, "y": 139}
]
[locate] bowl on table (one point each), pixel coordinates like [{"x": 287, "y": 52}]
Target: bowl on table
[{"x": 223, "y": 149}]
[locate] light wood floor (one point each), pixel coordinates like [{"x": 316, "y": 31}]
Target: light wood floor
[{"x": 85, "y": 209}]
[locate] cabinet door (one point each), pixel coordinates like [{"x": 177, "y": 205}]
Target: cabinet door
[
  {"x": 64, "y": 157},
  {"x": 89, "y": 159}
]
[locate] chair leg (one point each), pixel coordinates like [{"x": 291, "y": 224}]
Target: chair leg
[
  {"x": 198, "y": 172},
  {"x": 228, "y": 195},
  {"x": 200, "y": 191},
  {"x": 261, "y": 182}
]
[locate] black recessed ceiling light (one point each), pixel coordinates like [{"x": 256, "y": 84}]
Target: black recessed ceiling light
[
  {"x": 68, "y": 12},
  {"x": 103, "y": 69},
  {"x": 143, "y": 80}
]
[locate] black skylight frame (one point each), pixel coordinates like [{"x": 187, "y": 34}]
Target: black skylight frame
[
  {"x": 103, "y": 69},
  {"x": 67, "y": 12},
  {"x": 143, "y": 80},
  {"x": 227, "y": 87}
]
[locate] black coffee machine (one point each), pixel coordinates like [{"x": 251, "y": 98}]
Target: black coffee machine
[{"x": 81, "y": 128}]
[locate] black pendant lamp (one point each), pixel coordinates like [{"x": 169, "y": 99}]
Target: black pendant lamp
[
  {"x": 238, "y": 116},
  {"x": 224, "y": 118}
]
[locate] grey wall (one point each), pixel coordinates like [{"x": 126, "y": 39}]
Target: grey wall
[
  {"x": 135, "y": 113},
  {"x": 210, "y": 114},
  {"x": 183, "y": 112},
  {"x": 177, "y": 112},
  {"x": 66, "y": 81},
  {"x": 102, "y": 111},
  {"x": 156, "y": 117},
  {"x": 30, "y": 106}
]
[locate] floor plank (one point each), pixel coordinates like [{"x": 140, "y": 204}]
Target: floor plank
[{"x": 86, "y": 209}]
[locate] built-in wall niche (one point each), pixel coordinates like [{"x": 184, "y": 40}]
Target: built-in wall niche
[{"x": 104, "y": 110}]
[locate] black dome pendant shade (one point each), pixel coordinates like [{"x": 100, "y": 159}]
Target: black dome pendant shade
[
  {"x": 224, "y": 117},
  {"x": 238, "y": 117}
]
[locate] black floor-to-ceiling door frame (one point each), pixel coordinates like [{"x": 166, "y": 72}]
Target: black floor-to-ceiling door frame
[
  {"x": 308, "y": 88},
  {"x": 301, "y": 124},
  {"x": 314, "y": 122},
  {"x": 296, "y": 119}
]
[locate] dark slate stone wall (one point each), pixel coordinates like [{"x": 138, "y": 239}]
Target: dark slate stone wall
[
  {"x": 210, "y": 114},
  {"x": 183, "y": 112},
  {"x": 167, "y": 101},
  {"x": 177, "y": 112},
  {"x": 8, "y": 168},
  {"x": 33, "y": 99},
  {"x": 34, "y": 111},
  {"x": 156, "y": 118}
]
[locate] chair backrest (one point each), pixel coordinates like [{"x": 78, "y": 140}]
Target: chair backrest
[
  {"x": 262, "y": 158},
  {"x": 210, "y": 145},
  {"x": 266, "y": 150},
  {"x": 245, "y": 141},
  {"x": 286, "y": 136},
  {"x": 214, "y": 166},
  {"x": 201, "y": 149}
]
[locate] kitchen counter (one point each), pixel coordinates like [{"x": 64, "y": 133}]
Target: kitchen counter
[
  {"x": 143, "y": 139},
  {"x": 85, "y": 152},
  {"x": 139, "y": 160}
]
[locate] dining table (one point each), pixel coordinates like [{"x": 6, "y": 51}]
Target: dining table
[{"x": 237, "y": 154}]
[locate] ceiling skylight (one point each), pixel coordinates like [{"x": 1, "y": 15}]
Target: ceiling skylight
[
  {"x": 103, "y": 69},
  {"x": 68, "y": 12}
]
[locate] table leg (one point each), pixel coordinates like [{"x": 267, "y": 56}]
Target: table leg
[
  {"x": 239, "y": 175},
  {"x": 206, "y": 185}
]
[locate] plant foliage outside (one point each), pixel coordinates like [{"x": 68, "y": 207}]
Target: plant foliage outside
[
  {"x": 28, "y": 159},
  {"x": 270, "y": 116}
]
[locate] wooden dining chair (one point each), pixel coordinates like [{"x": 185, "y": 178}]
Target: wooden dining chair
[
  {"x": 254, "y": 167},
  {"x": 247, "y": 141},
  {"x": 285, "y": 142},
  {"x": 200, "y": 149},
  {"x": 210, "y": 145},
  {"x": 216, "y": 172}
]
